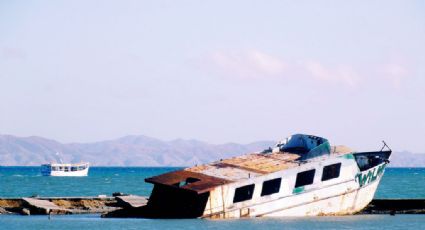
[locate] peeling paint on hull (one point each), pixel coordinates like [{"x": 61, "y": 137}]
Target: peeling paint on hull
[
  {"x": 330, "y": 201},
  {"x": 345, "y": 204}
]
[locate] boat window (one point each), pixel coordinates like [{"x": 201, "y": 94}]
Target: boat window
[
  {"x": 305, "y": 178},
  {"x": 331, "y": 171},
  {"x": 74, "y": 168},
  {"x": 243, "y": 193},
  {"x": 191, "y": 180},
  {"x": 271, "y": 186},
  {"x": 367, "y": 160},
  {"x": 188, "y": 180}
]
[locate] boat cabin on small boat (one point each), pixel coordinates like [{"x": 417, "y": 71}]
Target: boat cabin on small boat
[{"x": 60, "y": 169}]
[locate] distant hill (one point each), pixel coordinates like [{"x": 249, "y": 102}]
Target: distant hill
[
  {"x": 140, "y": 151},
  {"x": 407, "y": 159},
  {"x": 125, "y": 151}
]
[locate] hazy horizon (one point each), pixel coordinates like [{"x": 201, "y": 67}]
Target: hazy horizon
[
  {"x": 194, "y": 139},
  {"x": 145, "y": 151},
  {"x": 217, "y": 71}
]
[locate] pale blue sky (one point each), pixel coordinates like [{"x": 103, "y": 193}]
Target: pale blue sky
[{"x": 218, "y": 71}]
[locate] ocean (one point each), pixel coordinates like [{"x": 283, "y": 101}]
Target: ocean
[
  {"x": 95, "y": 222},
  {"x": 27, "y": 181}
]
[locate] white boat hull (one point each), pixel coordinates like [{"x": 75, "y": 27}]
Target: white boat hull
[
  {"x": 65, "y": 170},
  {"x": 343, "y": 198},
  {"x": 75, "y": 173},
  {"x": 345, "y": 204}
]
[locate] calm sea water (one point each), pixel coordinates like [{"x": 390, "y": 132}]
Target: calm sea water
[
  {"x": 95, "y": 222},
  {"x": 27, "y": 181}
]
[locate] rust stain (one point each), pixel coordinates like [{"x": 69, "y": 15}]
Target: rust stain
[
  {"x": 256, "y": 163},
  {"x": 263, "y": 163},
  {"x": 260, "y": 163},
  {"x": 205, "y": 183}
]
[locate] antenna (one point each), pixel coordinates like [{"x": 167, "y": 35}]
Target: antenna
[{"x": 385, "y": 145}]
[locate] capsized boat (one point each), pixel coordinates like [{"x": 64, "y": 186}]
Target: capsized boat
[
  {"x": 61, "y": 169},
  {"x": 302, "y": 175}
]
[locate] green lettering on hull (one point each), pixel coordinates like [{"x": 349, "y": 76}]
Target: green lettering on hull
[{"x": 370, "y": 175}]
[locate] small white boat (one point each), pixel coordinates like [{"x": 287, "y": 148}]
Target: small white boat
[{"x": 60, "y": 169}]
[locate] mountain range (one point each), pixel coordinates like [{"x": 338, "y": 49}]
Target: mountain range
[{"x": 139, "y": 150}]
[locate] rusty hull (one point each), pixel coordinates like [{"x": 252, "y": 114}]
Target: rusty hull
[{"x": 205, "y": 183}]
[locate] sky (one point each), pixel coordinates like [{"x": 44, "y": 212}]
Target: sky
[{"x": 216, "y": 71}]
